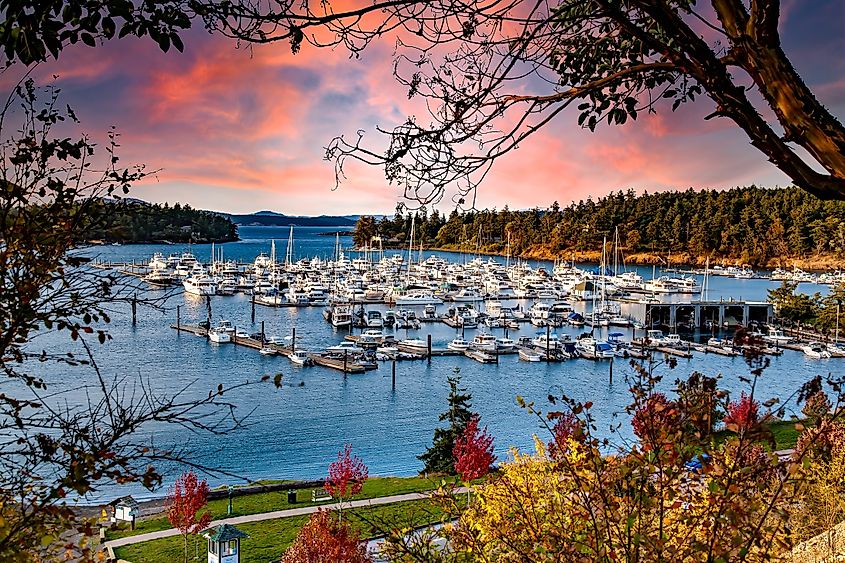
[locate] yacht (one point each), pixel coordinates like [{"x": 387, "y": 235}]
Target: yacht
[
  {"x": 374, "y": 319},
  {"x": 485, "y": 342},
  {"x": 415, "y": 345},
  {"x": 371, "y": 336},
  {"x": 467, "y": 295},
  {"x": 776, "y": 336},
  {"x": 345, "y": 348},
  {"x": 594, "y": 349},
  {"x": 268, "y": 351},
  {"x": 200, "y": 285},
  {"x": 219, "y": 336},
  {"x": 159, "y": 277},
  {"x": 506, "y": 345},
  {"x": 418, "y": 298},
  {"x": 341, "y": 315},
  {"x": 300, "y": 358},
  {"x": 459, "y": 345},
  {"x": 815, "y": 350},
  {"x": 552, "y": 342}
]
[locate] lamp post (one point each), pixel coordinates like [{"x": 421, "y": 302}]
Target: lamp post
[{"x": 229, "y": 508}]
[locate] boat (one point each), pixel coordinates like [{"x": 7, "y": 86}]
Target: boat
[
  {"x": 836, "y": 350},
  {"x": 371, "y": 336},
  {"x": 776, "y": 336},
  {"x": 672, "y": 341},
  {"x": 200, "y": 285},
  {"x": 593, "y": 349},
  {"x": 417, "y": 298},
  {"x": 815, "y": 350},
  {"x": 219, "y": 336},
  {"x": 341, "y": 315},
  {"x": 459, "y": 345},
  {"x": 300, "y": 358},
  {"x": 345, "y": 348},
  {"x": 551, "y": 341},
  {"x": 485, "y": 342},
  {"x": 527, "y": 355},
  {"x": 268, "y": 351},
  {"x": 415, "y": 345},
  {"x": 505, "y": 345},
  {"x": 374, "y": 319},
  {"x": 466, "y": 295},
  {"x": 159, "y": 277}
]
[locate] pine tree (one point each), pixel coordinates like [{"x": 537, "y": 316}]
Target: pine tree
[{"x": 439, "y": 457}]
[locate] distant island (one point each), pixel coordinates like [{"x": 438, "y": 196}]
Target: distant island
[
  {"x": 754, "y": 226},
  {"x": 133, "y": 221},
  {"x": 273, "y": 219}
]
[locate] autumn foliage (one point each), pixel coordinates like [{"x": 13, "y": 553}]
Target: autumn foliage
[
  {"x": 346, "y": 475},
  {"x": 743, "y": 413},
  {"x": 325, "y": 539},
  {"x": 187, "y": 497},
  {"x": 473, "y": 451}
]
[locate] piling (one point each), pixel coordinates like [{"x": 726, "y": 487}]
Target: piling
[
  {"x": 394, "y": 374},
  {"x": 429, "y": 349},
  {"x": 548, "y": 334},
  {"x": 262, "y": 333},
  {"x": 611, "y": 371},
  {"x": 134, "y": 308},
  {"x": 252, "y": 300},
  {"x": 293, "y": 340},
  {"x": 178, "y": 316},
  {"x": 345, "y": 361}
]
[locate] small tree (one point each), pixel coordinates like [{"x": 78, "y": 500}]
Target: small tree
[
  {"x": 743, "y": 414},
  {"x": 346, "y": 476},
  {"x": 187, "y": 497},
  {"x": 473, "y": 451},
  {"x": 325, "y": 539},
  {"x": 439, "y": 457}
]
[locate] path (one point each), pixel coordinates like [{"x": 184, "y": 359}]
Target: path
[{"x": 274, "y": 515}]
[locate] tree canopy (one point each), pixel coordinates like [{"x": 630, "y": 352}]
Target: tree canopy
[{"x": 493, "y": 73}]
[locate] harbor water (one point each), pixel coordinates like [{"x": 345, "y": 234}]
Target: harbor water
[{"x": 295, "y": 431}]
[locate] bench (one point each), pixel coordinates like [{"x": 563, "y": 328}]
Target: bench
[{"x": 320, "y": 495}]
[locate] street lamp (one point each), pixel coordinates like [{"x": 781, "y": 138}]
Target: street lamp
[{"x": 229, "y": 508}]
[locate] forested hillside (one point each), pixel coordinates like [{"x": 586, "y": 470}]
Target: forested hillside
[
  {"x": 137, "y": 221},
  {"x": 750, "y": 225}
]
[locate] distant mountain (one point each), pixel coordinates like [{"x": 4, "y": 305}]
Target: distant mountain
[{"x": 273, "y": 219}]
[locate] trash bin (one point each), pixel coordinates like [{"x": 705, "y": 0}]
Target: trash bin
[{"x": 291, "y": 497}]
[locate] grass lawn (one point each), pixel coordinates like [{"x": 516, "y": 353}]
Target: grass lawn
[
  {"x": 278, "y": 500},
  {"x": 784, "y": 433},
  {"x": 269, "y": 539}
]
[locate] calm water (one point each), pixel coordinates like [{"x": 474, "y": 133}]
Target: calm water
[{"x": 295, "y": 431}]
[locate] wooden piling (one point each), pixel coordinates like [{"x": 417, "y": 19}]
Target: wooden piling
[
  {"x": 263, "y": 339},
  {"x": 611, "y": 371},
  {"x": 252, "y": 300},
  {"x": 134, "y": 308},
  {"x": 429, "y": 348},
  {"x": 293, "y": 340},
  {"x": 394, "y": 375},
  {"x": 178, "y": 316}
]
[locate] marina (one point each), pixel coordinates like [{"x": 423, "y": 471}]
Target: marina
[{"x": 294, "y": 429}]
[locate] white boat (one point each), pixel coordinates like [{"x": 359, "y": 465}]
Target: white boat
[
  {"x": 506, "y": 345},
  {"x": 815, "y": 350},
  {"x": 529, "y": 356},
  {"x": 415, "y": 345},
  {"x": 466, "y": 295},
  {"x": 552, "y": 342},
  {"x": 776, "y": 336},
  {"x": 418, "y": 298},
  {"x": 594, "y": 349},
  {"x": 345, "y": 348},
  {"x": 299, "y": 357},
  {"x": 485, "y": 342},
  {"x": 371, "y": 336},
  {"x": 341, "y": 315},
  {"x": 219, "y": 336},
  {"x": 200, "y": 285},
  {"x": 673, "y": 341},
  {"x": 459, "y": 345},
  {"x": 267, "y": 351},
  {"x": 159, "y": 277},
  {"x": 836, "y": 350},
  {"x": 374, "y": 319}
]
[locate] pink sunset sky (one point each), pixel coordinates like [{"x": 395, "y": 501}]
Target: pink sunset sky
[{"x": 240, "y": 131}]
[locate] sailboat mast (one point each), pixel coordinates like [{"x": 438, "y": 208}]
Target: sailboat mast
[{"x": 411, "y": 249}]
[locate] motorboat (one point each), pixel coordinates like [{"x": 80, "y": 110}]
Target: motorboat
[
  {"x": 505, "y": 345},
  {"x": 159, "y": 277},
  {"x": 815, "y": 350},
  {"x": 466, "y": 295},
  {"x": 300, "y": 358},
  {"x": 415, "y": 345},
  {"x": 202, "y": 285},
  {"x": 345, "y": 348},
  {"x": 550, "y": 341},
  {"x": 527, "y": 355},
  {"x": 268, "y": 351},
  {"x": 485, "y": 342},
  {"x": 459, "y": 345},
  {"x": 219, "y": 336},
  {"x": 418, "y": 298},
  {"x": 776, "y": 336},
  {"x": 672, "y": 341},
  {"x": 371, "y": 336},
  {"x": 836, "y": 350},
  {"x": 374, "y": 319},
  {"x": 593, "y": 349}
]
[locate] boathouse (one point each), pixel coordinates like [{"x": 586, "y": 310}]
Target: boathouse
[{"x": 700, "y": 314}]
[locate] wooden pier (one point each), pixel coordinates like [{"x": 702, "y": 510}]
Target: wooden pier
[{"x": 344, "y": 365}]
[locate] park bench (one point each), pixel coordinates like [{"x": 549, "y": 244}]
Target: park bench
[{"x": 320, "y": 495}]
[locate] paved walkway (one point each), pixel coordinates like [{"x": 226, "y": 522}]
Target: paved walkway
[{"x": 274, "y": 515}]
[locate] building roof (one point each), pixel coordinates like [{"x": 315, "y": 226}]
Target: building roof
[
  {"x": 125, "y": 501},
  {"x": 224, "y": 532}
]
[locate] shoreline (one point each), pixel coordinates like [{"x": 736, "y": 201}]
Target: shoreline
[{"x": 813, "y": 263}]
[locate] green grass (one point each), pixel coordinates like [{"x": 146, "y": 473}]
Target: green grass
[
  {"x": 784, "y": 433},
  {"x": 278, "y": 500},
  {"x": 269, "y": 539}
]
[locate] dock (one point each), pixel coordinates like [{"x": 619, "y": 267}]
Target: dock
[{"x": 341, "y": 364}]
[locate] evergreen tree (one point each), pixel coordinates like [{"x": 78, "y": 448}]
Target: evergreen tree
[{"x": 439, "y": 457}]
